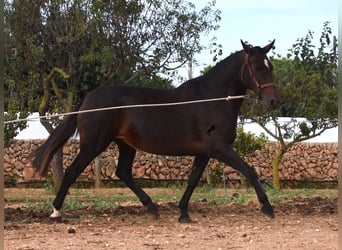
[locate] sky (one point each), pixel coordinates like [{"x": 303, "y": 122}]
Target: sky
[
  {"x": 261, "y": 21},
  {"x": 258, "y": 22}
]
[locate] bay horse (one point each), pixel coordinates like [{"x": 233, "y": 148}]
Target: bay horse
[{"x": 203, "y": 130}]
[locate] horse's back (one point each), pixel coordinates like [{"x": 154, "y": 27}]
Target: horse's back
[{"x": 115, "y": 95}]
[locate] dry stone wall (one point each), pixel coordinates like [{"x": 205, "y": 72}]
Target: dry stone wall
[{"x": 303, "y": 161}]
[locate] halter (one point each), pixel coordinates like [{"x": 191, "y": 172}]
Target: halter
[{"x": 257, "y": 83}]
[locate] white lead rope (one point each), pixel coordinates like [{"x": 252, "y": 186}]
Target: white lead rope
[{"x": 228, "y": 98}]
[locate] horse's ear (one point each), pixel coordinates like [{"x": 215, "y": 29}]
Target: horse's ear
[
  {"x": 246, "y": 47},
  {"x": 267, "y": 48}
]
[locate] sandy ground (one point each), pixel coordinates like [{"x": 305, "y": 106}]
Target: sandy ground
[{"x": 302, "y": 223}]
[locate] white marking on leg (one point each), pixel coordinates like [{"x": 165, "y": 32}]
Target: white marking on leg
[{"x": 56, "y": 213}]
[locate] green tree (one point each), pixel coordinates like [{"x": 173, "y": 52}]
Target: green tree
[
  {"x": 307, "y": 84},
  {"x": 59, "y": 50}
]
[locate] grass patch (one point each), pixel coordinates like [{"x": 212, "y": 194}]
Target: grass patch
[
  {"x": 103, "y": 203},
  {"x": 40, "y": 200},
  {"x": 45, "y": 205},
  {"x": 283, "y": 195}
]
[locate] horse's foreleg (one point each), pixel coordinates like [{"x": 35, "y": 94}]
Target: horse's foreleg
[
  {"x": 229, "y": 157},
  {"x": 199, "y": 164},
  {"x": 124, "y": 172}
]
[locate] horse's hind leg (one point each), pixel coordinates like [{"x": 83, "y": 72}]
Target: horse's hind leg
[
  {"x": 199, "y": 165},
  {"x": 88, "y": 151},
  {"x": 124, "y": 172}
]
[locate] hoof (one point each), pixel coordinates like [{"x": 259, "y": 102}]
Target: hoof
[
  {"x": 154, "y": 214},
  {"x": 56, "y": 215},
  {"x": 185, "y": 220},
  {"x": 268, "y": 211},
  {"x": 153, "y": 211},
  {"x": 56, "y": 219}
]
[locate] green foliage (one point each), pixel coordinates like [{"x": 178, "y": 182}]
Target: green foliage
[
  {"x": 12, "y": 130},
  {"x": 246, "y": 142},
  {"x": 57, "y": 51},
  {"x": 216, "y": 176},
  {"x": 309, "y": 77},
  {"x": 206, "y": 69}
]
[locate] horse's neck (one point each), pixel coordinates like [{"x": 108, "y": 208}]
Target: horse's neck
[
  {"x": 222, "y": 80},
  {"x": 225, "y": 78}
]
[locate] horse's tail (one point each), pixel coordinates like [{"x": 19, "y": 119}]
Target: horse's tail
[{"x": 43, "y": 155}]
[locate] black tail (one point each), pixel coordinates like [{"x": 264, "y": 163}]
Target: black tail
[{"x": 43, "y": 155}]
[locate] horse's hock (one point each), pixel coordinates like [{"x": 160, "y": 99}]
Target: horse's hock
[{"x": 302, "y": 162}]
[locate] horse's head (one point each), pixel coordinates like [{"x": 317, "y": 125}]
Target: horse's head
[{"x": 256, "y": 73}]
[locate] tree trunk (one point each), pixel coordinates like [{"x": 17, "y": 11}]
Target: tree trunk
[
  {"x": 57, "y": 160},
  {"x": 275, "y": 166},
  {"x": 98, "y": 175},
  {"x": 243, "y": 180},
  {"x": 208, "y": 175},
  {"x": 57, "y": 169}
]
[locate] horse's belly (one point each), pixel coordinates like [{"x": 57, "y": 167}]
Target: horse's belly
[
  {"x": 170, "y": 142},
  {"x": 172, "y": 148}
]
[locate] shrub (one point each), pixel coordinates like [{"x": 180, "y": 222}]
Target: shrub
[{"x": 246, "y": 142}]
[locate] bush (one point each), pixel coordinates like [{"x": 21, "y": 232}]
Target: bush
[{"x": 246, "y": 142}]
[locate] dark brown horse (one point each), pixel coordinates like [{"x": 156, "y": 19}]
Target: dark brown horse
[{"x": 204, "y": 130}]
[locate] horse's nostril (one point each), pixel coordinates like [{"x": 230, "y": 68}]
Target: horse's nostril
[{"x": 272, "y": 103}]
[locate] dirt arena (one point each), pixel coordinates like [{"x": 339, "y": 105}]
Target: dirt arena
[{"x": 301, "y": 223}]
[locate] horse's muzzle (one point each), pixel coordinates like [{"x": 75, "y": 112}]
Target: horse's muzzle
[
  {"x": 272, "y": 102},
  {"x": 270, "y": 98}
]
